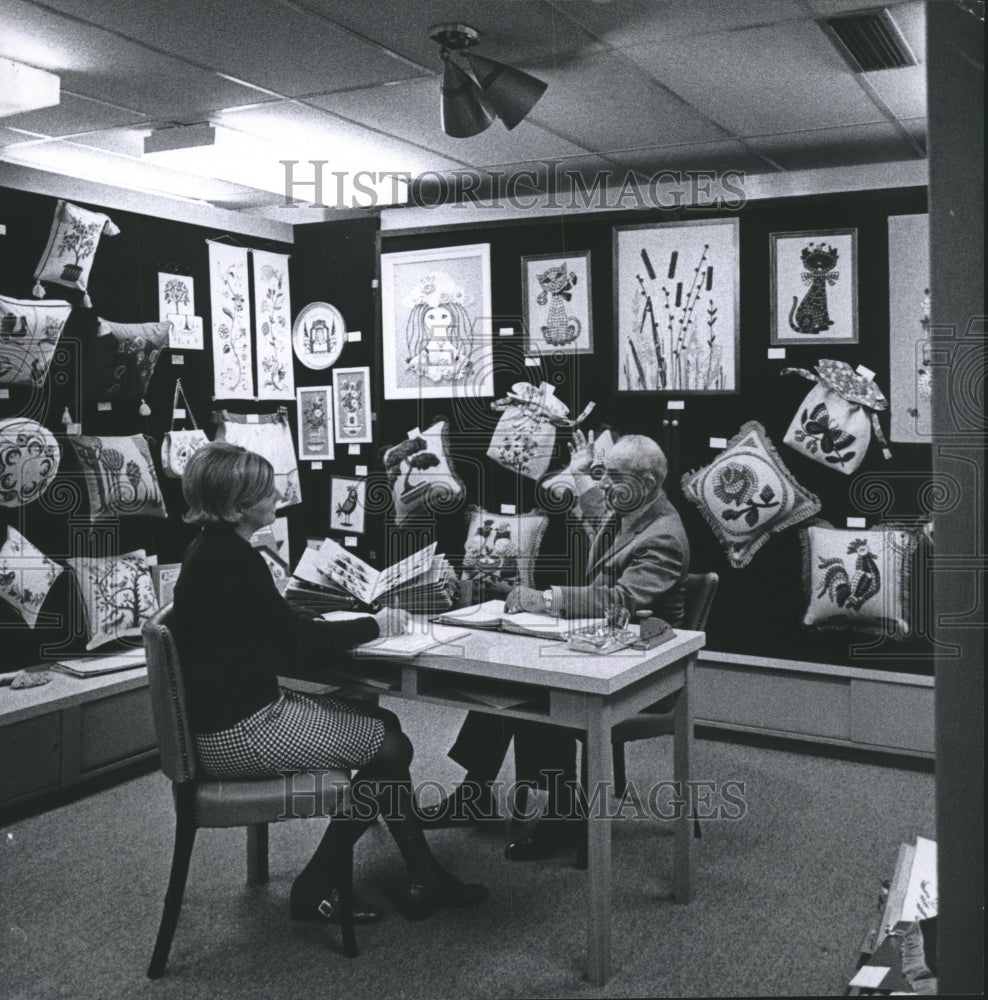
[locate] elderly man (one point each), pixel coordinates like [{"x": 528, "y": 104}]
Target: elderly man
[{"x": 639, "y": 559}]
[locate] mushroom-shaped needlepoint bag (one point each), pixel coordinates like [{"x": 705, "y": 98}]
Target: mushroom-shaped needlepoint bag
[{"x": 834, "y": 423}]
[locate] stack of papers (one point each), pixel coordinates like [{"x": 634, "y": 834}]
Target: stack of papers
[
  {"x": 94, "y": 666},
  {"x": 331, "y": 578}
]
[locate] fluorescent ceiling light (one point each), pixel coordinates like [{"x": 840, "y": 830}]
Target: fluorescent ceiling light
[
  {"x": 24, "y": 88},
  {"x": 216, "y": 151}
]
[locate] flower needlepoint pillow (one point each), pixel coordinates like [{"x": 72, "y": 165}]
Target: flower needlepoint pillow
[
  {"x": 72, "y": 243},
  {"x": 501, "y": 549},
  {"x": 118, "y": 594},
  {"x": 746, "y": 494},
  {"x": 26, "y": 576},
  {"x": 122, "y": 358},
  {"x": 119, "y": 475},
  {"x": 29, "y": 333},
  {"x": 858, "y": 579}
]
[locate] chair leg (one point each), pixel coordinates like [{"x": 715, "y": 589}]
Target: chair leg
[
  {"x": 620, "y": 775},
  {"x": 185, "y": 835},
  {"x": 346, "y": 906},
  {"x": 257, "y": 853},
  {"x": 582, "y": 853}
]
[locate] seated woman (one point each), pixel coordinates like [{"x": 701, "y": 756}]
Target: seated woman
[{"x": 236, "y": 634}]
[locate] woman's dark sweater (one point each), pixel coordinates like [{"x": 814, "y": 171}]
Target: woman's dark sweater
[{"x": 236, "y": 634}]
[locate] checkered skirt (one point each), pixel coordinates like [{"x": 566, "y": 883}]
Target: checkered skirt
[{"x": 295, "y": 732}]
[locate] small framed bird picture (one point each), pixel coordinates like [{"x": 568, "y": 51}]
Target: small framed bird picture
[{"x": 347, "y": 504}]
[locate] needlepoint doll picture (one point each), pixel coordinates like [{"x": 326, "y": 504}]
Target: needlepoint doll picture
[{"x": 436, "y": 317}]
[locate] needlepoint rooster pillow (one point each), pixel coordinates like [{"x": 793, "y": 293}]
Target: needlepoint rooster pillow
[
  {"x": 858, "y": 579},
  {"x": 26, "y": 576},
  {"x": 72, "y": 242},
  {"x": 29, "y": 333},
  {"x": 746, "y": 494},
  {"x": 501, "y": 549},
  {"x": 420, "y": 474},
  {"x": 118, "y": 594},
  {"x": 122, "y": 359},
  {"x": 119, "y": 475}
]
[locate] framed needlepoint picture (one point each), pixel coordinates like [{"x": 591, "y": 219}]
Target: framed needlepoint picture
[
  {"x": 352, "y": 405},
  {"x": 315, "y": 422},
  {"x": 436, "y": 323},
  {"x": 347, "y": 504},
  {"x": 556, "y": 303},
  {"x": 814, "y": 287}
]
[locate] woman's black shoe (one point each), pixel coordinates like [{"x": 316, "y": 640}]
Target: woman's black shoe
[
  {"x": 324, "y": 908},
  {"x": 419, "y": 900}
]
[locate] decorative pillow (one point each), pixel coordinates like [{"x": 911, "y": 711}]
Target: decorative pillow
[
  {"x": 269, "y": 435},
  {"x": 72, "y": 242},
  {"x": 26, "y": 576},
  {"x": 747, "y": 495},
  {"x": 29, "y": 333},
  {"x": 118, "y": 594},
  {"x": 122, "y": 358},
  {"x": 501, "y": 549},
  {"x": 421, "y": 475},
  {"x": 119, "y": 476},
  {"x": 29, "y": 457},
  {"x": 858, "y": 579}
]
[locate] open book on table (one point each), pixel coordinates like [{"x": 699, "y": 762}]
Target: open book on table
[{"x": 491, "y": 615}]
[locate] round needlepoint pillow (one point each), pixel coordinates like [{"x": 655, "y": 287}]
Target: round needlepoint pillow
[
  {"x": 746, "y": 494},
  {"x": 29, "y": 457},
  {"x": 858, "y": 580}
]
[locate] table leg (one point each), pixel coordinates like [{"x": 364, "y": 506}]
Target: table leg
[
  {"x": 597, "y": 747},
  {"x": 682, "y": 754}
]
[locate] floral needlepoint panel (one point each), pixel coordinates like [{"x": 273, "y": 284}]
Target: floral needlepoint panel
[
  {"x": 29, "y": 333},
  {"x": 421, "y": 475},
  {"x": 26, "y": 576},
  {"x": 273, "y": 326},
  {"x": 122, "y": 359},
  {"x": 29, "y": 458},
  {"x": 72, "y": 243},
  {"x": 118, "y": 595},
  {"x": 858, "y": 580},
  {"x": 233, "y": 349},
  {"x": 119, "y": 476},
  {"x": 501, "y": 549},
  {"x": 746, "y": 494},
  {"x": 352, "y": 406}
]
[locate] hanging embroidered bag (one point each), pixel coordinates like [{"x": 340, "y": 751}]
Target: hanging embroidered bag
[
  {"x": 835, "y": 421},
  {"x": 178, "y": 446},
  {"x": 526, "y": 433}
]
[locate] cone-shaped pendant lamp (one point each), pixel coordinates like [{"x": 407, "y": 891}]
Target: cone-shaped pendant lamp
[
  {"x": 463, "y": 111},
  {"x": 510, "y": 92}
]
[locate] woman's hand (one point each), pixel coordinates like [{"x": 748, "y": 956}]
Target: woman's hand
[
  {"x": 393, "y": 621},
  {"x": 581, "y": 453}
]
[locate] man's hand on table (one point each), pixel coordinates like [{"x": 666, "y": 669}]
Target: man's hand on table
[{"x": 524, "y": 599}]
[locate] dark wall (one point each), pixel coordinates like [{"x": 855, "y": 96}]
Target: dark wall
[
  {"x": 759, "y": 608},
  {"x": 123, "y": 286}
]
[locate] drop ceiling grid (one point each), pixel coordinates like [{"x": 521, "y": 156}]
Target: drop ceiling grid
[
  {"x": 871, "y": 142},
  {"x": 73, "y": 115},
  {"x": 782, "y": 78}
]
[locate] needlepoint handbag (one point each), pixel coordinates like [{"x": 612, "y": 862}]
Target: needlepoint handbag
[{"x": 178, "y": 446}]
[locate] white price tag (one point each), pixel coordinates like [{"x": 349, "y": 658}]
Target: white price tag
[
  {"x": 353, "y": 337},
  {"x": 253, "y": 418},
  {"x": 353, "y": 449},
  {"x": 350, "y": 541},
  {"x": 178, "y": 413},
  {"x": 104, "y": 407},
  {"x": 315, "y": 465},
  {"x": 718, "y": 442},
  {"x": 360, "y": 470},
  {"x": 178, "y": 359},
  {"x": 777, "y": 354},
  {"x": 869, "y": 977},
  {"x": 857, "y": 522},
  {"x": 73, "y": 428},
  {"x": 864, "y": 372},
  {"x": 4, "y": 394},
  {"x": 676, "y": 404},
  {"x": 506, "y": 331},
  {"x": 532, "y": 362},
  {"x": 507, "y": 508},
  {"x": 375, "y": 283}
]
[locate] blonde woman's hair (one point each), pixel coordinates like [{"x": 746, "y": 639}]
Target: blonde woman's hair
[{"x": 220, "y": 479}]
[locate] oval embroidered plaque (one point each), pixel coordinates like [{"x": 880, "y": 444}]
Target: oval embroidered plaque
[{"x": 29, "y": 456}]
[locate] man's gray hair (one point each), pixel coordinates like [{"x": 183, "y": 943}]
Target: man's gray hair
[{"x": 640, "y": 455}]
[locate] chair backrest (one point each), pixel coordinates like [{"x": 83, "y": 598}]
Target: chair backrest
[
  {"x": 167, "y": 688},
  {"x": 698, "y": 599}
]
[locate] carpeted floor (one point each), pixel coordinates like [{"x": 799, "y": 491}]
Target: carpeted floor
[{"x": 782, "y": 894}]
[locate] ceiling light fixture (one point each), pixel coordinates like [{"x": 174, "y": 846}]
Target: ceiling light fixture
[
  {"x": 24, "y": 88},
  {"x": 470, "y": 103}
]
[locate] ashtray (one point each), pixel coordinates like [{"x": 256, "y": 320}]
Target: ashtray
[{"x": 600, "y": 640}]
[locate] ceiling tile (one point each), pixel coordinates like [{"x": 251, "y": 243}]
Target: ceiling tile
[
  {"x": 902, "y": 90},
  {"x": 73, "y": 115},
  {"x": 874, "y": 142},
  {"x": 781, "y": 78},
  {"x": 728, "y": 154}
]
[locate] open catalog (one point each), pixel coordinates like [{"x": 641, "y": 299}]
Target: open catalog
[
  {"x": 491, "y": 615},
  {"x": 330, "y": 578}
]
